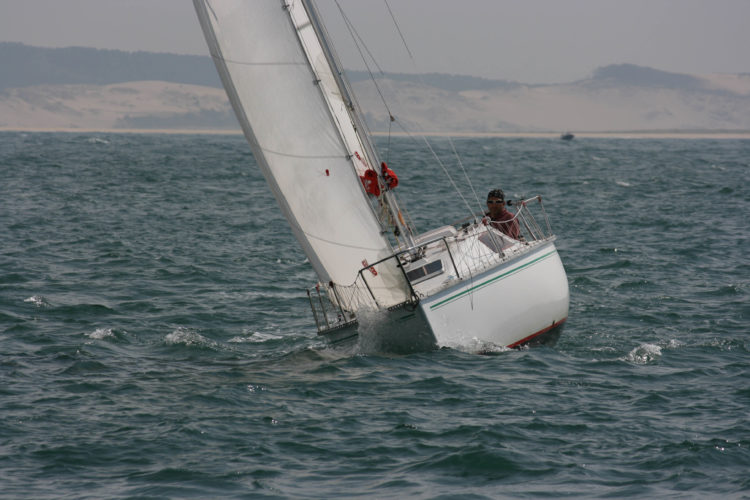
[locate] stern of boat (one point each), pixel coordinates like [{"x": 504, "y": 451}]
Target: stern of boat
[
  {"x": 479, "y": 289},
  {"x": 522, "y": 300}
]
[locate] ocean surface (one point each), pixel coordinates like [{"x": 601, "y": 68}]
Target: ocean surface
[{"x": 156, "y": 340}]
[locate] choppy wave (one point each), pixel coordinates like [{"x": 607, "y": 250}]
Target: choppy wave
[
  {"x": 102, "y": 333},
  {"x": 37, "y": 300},
  {"x": 643, "y": 354},
  {"x": 188, "y": 337},
  {"x": 156, "y": 339},
  {"x": 97, "y": 140}
]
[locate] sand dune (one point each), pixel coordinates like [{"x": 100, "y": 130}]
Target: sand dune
[{"x": 584, "y": 107}]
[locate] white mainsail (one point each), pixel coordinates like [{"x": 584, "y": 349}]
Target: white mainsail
[{"x": 292, "y": 112}]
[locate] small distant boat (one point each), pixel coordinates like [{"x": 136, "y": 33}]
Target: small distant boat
[{"x": 567, "y": 136}]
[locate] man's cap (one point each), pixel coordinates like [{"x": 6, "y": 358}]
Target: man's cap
[{"x": 496, "y": 193}]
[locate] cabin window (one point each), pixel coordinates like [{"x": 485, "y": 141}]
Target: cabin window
[{"x": 427, "y": 271}]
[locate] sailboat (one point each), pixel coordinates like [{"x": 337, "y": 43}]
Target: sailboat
[{"x": 467, "y": 285}]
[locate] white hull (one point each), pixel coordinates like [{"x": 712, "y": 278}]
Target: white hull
[
  {"x": 516, "y": 302},
  {"x": 507, "y": 305}
]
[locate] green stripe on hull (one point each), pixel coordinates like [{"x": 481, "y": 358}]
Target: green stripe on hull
[{"x": 490, "y": 281}]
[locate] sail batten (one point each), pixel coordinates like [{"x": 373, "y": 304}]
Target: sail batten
[
  {"x": 265, "y": 63},
  {"x": 311, "y": 157},
  {"x": 292, "y": 113}
]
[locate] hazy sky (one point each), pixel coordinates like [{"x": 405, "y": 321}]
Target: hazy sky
[{"x": 533, "y": 41}]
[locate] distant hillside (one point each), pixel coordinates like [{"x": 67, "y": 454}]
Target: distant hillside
[
  {"x": 621, "y": 97},
  {"x": 131, "y": 105},
  {"x": 80, "y": 88},
  {"x": 630, "y": 74},
  {"x": 454, "y": 83},
  {"x": 24, "y": 65}
]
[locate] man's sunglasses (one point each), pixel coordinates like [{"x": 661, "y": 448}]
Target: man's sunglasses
[{"x": 490, "y": 202}]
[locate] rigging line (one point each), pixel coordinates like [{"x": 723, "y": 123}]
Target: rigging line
[
  {"x": 466, "y": 175},
  {"x": 399, "y": 30},
  {"x": 414, "y": 63},
  {"x": 391, "y": 119},
  {"x": 361, "y": 40},
  {"x": 352, "y": 32},
  {"x": 442, "y": 165}
]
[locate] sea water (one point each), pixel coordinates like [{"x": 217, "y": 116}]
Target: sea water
[{"x": 156, "y": 340}]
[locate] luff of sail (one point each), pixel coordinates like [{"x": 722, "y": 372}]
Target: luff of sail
[{"x": 290, "y": 109}]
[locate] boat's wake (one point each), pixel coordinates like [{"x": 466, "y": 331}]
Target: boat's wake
[
  {"x": 379, "y": 332},
  {"x": 382, "y": 332}
]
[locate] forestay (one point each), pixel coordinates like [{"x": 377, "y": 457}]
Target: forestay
[{"x": 289, "y": 105}]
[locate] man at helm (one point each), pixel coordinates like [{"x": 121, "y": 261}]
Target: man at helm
[{"x": 500, "y": 217}]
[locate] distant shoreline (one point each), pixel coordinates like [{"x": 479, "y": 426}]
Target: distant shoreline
[
  {"x": 590, "y": 135},
  {"x": 541, "y": 135}
]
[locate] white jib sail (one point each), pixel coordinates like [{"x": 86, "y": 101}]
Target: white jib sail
[{"x": 282, "y": 89}]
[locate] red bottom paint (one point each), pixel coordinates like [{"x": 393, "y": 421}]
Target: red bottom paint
[{"x": 553, "y": 331}]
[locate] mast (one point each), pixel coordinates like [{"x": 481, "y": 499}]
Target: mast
[
  {"x": 388, "y": 197},
  {"x": 300, "y": 128}
]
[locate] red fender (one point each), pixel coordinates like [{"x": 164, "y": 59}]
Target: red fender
[
  {"x": 370, "y": 182},
  {"x": 391, "y": 179}
]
